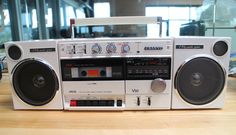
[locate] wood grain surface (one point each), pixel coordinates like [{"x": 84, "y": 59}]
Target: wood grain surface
[{"x": 196, "y": 122}]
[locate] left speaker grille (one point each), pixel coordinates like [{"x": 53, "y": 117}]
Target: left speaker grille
[{"x": 35, "y": 82}]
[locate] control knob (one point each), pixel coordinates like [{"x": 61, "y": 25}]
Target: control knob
[
  {"x": 125, "y": 48},
  {"x": 111, "y": 48},
  {"x": 158, "y": 85},
  {"x": 96, "y": 49}
]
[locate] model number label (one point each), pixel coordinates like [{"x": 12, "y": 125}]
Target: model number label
[
  {"x": 189, "y": 46},
  {"x": 42, "y": 50}
]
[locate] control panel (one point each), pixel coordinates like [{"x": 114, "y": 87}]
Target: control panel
[
  {"x": 69, "y": 49},
  {"x": 116, "y": 74}
]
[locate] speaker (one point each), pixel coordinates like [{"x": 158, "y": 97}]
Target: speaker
[
  {"x": 200, "y": 72},
  {"x": 34, "y": 75}
]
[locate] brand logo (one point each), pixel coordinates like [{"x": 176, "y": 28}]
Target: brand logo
[
  {"x": 152, "y": 48},
  {"x": 135, "y": 90}
]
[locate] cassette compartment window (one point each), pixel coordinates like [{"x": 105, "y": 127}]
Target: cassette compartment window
[{"x": 92, "y": 69}]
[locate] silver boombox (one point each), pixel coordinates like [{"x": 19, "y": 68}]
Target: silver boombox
[{"x": 119, "y": 73}]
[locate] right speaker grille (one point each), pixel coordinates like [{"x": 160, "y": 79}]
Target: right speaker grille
[{"x": 200, "y": 80}]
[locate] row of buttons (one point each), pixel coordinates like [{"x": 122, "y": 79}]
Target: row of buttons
[{"x": 95, "y": 103}]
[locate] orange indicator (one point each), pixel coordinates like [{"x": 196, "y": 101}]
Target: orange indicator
[{"x": 93, "y": 73}]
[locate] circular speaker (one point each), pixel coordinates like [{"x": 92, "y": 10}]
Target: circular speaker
[
  {"x": 220, "y": 48},
  {"x": 200, "y": 80},
  {"x": 14, "y": 52},
  {"x": 35, "y": 82}
]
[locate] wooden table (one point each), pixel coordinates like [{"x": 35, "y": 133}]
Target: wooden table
[{"x": 197, "y": 122}]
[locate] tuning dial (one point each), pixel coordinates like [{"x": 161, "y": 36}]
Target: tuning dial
[
  {"x": 111, "y": 48},
  {"x": 125, "y": 48},
  {"x": 158, "y": 85},
  {"x": 96, "y": 49}
]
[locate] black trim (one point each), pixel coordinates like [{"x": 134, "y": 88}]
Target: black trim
[
  {"x": 122, "y": 66},
  {"x": 42, "y": 50}
]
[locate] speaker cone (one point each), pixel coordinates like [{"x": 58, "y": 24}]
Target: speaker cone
[
  {"x": 200, "y": 80},
  {"x": 35, "y": 82}
]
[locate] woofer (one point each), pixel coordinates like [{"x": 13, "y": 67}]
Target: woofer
[
  {"x": 200, "y": 80},
  {"x": 35, "y": 82}
]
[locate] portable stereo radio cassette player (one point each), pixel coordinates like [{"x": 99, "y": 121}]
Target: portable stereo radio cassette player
[{"x": 119, "y": 73}]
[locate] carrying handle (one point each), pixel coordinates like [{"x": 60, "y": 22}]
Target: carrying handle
[{"x": 116, "y": 21}]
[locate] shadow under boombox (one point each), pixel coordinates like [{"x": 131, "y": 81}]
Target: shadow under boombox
[{"x": 119, "y": 73}]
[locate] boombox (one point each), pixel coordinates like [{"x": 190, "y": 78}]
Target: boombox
[{"x": 119, "y": 73}]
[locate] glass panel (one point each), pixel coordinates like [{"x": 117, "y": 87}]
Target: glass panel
[
  {"x": 29, "y": 19},
  {"x": 102, "y": 9},
  {"x": 175, "y": 27},
  {"x": 226, "y": 13},
  {"x": 193, "y": 13},
  {"x": 48, "y": 17},
  {"x": 5, "y": 26},
  {"x": 160, "y": 11},
  {"x": 179, "y": 13},
  {"x": 80, "y": 14},
  {"x": 70, "y": 14},
  {"x": 62, "y": 17},
  {"x": 175, "y": 15}
]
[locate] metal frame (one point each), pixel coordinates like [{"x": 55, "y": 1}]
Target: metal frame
[
  {"x": 16, "y": 21},
  {"x": 117, "y": 21},
  {"x": 56, "y": 17},
  {"x": 40, "y": 5}
]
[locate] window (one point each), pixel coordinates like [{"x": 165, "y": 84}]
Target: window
[
  {"x": 6, "y": 17},
  {"x": 34, "y": 19},
  {"x": 70, "y": 14},
  {"x": 175, "y": 15},
  {"x": 48, "y": 17},
  {"x": 62, "y": 17},
  {"x": 102, "y": 9},
  {"x": 80, "y": 14}
]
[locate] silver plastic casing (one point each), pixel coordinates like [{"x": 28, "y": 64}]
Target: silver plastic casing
[
  {"x": 182, "y": 56},
  {"x": 48, "y": 58}
]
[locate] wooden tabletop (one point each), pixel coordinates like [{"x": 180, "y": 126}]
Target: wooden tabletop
[{"x": 197, "y": 122}]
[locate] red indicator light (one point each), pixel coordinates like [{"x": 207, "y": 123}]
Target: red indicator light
[{"x": 73, "y": 103}]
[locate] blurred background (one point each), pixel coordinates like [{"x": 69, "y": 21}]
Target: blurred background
[{"x": 50, "y": 19}]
